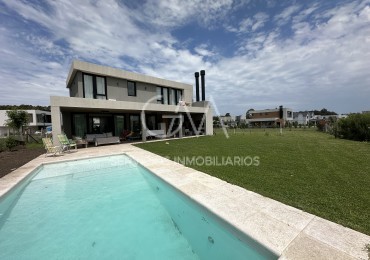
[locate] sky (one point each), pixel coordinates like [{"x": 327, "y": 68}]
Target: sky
[{"x": 257, "y": 54}]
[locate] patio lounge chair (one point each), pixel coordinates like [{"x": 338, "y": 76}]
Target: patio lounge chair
[
  {"x": 133, "y": 135},
  {"x": 50, "y": 147},
  {"x": 66, "y": 144}
]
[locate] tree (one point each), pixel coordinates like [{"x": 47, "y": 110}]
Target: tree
[
  {"x": 248, "y": 115},
  {"x": 324, "y": 112},
  {"x": 227, "y": 114},
  {"x": 17, "y": 119},
  {"x": 24, "y": 107},
  {"x": 355, "y": 127}
]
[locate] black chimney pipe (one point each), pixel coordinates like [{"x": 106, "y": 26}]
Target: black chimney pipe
[
  {"x": 202, "y": 74},
  {"x": 281, "y": 114},
  {"x": 196, "y": 74}
]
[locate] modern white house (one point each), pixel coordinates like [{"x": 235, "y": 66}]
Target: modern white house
[
  {"x": 304, "y": 117},
  {"x": 37, "y": 119},
  {"x": 108, "y": 100},
  {"x": 270, "y": 117}
]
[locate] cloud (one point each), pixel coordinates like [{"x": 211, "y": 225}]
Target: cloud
[
  {"x": 321, "y": 65},
  {"x": 323, "y": 62},
  {"x": 249, "y": 24},
  {"x": 173, "y": 13},
  {"x": 286, "y": 15}
]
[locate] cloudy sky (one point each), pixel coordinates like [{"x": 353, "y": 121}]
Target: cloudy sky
[{"x": 257, "y": 53}]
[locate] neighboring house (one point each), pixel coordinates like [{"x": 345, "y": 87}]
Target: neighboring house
[
  {"x": 270, "y": 117},
  {"x": 303, "y": 117},
  {"x": 37, "y": 120},
  {"x": 240, "y": 119},
  {"x": 228, "y": 120},
  {"x": 108, "y": 100},
  {"x": 327, "y": 117}
]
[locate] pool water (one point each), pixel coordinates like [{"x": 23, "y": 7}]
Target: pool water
[{"x": 111, "y": 208}]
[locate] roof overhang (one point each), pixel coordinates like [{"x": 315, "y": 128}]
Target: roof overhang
[{"x": 121, "y": 74}]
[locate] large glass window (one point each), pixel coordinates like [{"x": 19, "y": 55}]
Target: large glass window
[
  {"x": 88, "y": 86},
  {"x": 178, "y": 95},
  {"x": 80, "y": 126},
  {"x": 131, "y": 88},
  {"x": 135, "y": 123},
  {"x": 151, "y": 122},
  {"x": 94, "y": 87},
  {"x": 100, "y": 88},
  {"x": 168, "y": 95},
  {"x": 159, "y": 95},
  {"x": 119, "y": 124},
  {"x": 172, "y": 97},
  {"x": 165, "y": 95}
]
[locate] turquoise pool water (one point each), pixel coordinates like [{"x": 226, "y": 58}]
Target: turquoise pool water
[{"x": 111, "y": 208}]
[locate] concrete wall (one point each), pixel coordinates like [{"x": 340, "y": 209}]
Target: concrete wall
[
  {"x": 117, "y": 81},
  {"x": 117, "y": 89},
  {"x": 75, "y": 89}
]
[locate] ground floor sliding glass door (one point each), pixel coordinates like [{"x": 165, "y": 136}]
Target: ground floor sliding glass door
[
  {"x": 90, "y": 123},
  {"x": 134, "y": 123},
  {"x": 79, "y": 124},
  {"x": 119, "y": 125}
]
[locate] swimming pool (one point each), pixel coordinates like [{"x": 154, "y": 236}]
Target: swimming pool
[{"x": 111, "y": 207}]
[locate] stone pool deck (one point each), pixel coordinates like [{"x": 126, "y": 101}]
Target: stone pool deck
[{"x": 289, "y": 232}]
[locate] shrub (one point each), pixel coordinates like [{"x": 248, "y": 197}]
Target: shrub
[
  {"x": 355, "y": 127},
  {"x": 321, "y": 125},
  {"x": 2, "y": 144},
  {"x": 10, "y": 143}
]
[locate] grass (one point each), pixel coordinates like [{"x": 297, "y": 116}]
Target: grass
[
  {"x": 34, "y": 145},
  {"x": 306, "y": 169}
]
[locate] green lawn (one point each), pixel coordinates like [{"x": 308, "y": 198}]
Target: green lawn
[{"x": 306, "y": 169}]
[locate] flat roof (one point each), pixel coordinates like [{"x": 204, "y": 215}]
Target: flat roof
[
  {"x": 87, "y": 67},
  {"x": 269, "y": 110}
]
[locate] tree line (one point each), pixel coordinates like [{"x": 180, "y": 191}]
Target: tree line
[{"x": 24, "y": 107}]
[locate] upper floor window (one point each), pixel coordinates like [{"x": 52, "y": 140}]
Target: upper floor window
[
  {"x": 94, "y": 87},
  {"x": 165, "y": 95},
  {"x": 131, "y": 88},
  {"x": 168, "y": 96},
  {"x": 159, "y": 95}
]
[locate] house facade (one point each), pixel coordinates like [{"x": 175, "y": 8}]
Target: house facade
[
  {"x": 304, "y": 117},
  {"x": 104, "y": 99},
  {"x": 270, "y": 117},
  {"x": 37, "y": 120}
]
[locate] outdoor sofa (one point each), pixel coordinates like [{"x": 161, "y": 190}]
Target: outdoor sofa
[{"x": 105, "y": 138}]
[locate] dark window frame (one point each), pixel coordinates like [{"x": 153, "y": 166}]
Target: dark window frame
[
  {"x": 95, "y": 88},
  {"x": 128, "y": 91},
  {"x": 168, "y": 95},
  {"x": 161, "y": 98}
]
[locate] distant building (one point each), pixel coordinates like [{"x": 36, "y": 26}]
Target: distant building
[
  {"x": 37, "y": 119},
  {"x": 241, "y": 119},
  {"x": 270, "y": 117},
  {"x": 228, "y": 120},
  {"x": 303, "y": 117}
]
